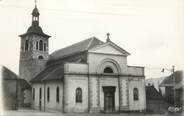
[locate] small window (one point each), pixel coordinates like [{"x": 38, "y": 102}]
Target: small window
[
  {"x": 27, "y": 45},
  {"x": 48, "y": 94},
  {"x": 33, "y": 94},
  {"x": 57, "y": 94},
  {"x": 41, "y": 45},
  {"x": 37, "y": 45},
  {"x": 35, "y": 18},
  {"x": 40, "y": 57},
  {"x": 136, "y": 94},
  {"x": 78, "y": 95},
  {"x": 108, "y": 70},
  {"x": 45, "y": 46}
]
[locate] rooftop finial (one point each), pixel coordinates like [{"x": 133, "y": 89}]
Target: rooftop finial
[
  {"x": 108, "y": 39},
  {"x": 35, "y": 3}
]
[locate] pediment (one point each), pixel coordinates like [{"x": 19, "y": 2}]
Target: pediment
[{"x": 109, "y": 48}]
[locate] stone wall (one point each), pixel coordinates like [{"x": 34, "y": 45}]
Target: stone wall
[
  {"x": 94, "y": 90},
  {"x": 72, "y": 82},
  {"x": 35, "y": 102},
  {"x": 109, "y": 81},
  {"x": 32, "y": 53},
  {"x": 140, "y": 85},
  {"x": 30, "y": 65},
  {"x": 95, "y": 61},
  {"x": 124, "y": 104},
  {"x": 10, "y": 94},
  {"x": 52, "y": 104},
  {"x": 30, "y": 68}
]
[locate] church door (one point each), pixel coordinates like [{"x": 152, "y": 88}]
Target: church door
[{"x": 109, "y": 101}]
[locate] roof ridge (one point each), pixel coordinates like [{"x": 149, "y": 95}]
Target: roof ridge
[
  {"x": 70, "y": 45},
  {"x": 78, "y": 47},
  {"x": 89, "y": 44},
  {"x": 6, "y": 68}
]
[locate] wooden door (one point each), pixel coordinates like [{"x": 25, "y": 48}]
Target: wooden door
[{"x": 109, "y": 101}]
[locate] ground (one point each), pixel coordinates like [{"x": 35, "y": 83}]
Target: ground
[{"x": 29, "y": 112}]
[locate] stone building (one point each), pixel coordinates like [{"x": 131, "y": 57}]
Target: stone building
[
  {"x": 89, "y": 76},
  {"x": 170, "y": 86},
  {"x": 13, "y": 89}
]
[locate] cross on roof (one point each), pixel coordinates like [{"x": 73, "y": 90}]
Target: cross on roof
[{"x": 108, "y": 39}]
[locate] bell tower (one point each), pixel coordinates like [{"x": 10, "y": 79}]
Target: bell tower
[{"x": 34, "y": 49}]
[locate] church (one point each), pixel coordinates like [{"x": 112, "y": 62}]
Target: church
[{"x": 90, "y": 76}]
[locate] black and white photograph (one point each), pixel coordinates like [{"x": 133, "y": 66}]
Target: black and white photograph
[{"x": 91, "y": 57}]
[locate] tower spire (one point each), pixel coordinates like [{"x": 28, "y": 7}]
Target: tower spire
[
  {"x": 35, "y": 15},
  {"x": 35, "y": 3}
]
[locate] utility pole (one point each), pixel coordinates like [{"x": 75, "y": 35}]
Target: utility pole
[{"x": 174, "y": 92}]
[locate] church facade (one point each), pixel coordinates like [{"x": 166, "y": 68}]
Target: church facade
[{"x": 90, "y": 76}]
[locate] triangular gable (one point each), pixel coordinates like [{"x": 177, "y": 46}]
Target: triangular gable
[{"x": 109, "y": 48}]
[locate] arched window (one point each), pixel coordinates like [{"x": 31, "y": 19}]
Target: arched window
[
  {"x": 78, "y": 95},
  {"x": 27, "y": 45},
  {"x": 57, "y": 94},
  {"x": 48, "y": 94},
  {"x": 136, "y": 94},
  {"x": 40, "y": 93},
  {"x": 36, "y": 18},
  {"x": 45, "y": 46},
  {"x": 108, "y": 70},
  {"x": 40, "y": 57},
  {"x": 41, "y": 45},
  {"x": 33, "y": 94},
  {"x": 37, "y": 45}
]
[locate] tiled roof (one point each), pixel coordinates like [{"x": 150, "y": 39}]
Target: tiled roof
[
  {"x": 56, "y": 74},
  {"x": 7, "y": 74},
  {"x": 75, "y": 48},
  {"x": 35, "y": 29},
  {"x": 168, "y": 81},
  {"x": 50, "y": 73}
]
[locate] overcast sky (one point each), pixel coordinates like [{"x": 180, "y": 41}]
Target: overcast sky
[{"x": 151, "y": 30}]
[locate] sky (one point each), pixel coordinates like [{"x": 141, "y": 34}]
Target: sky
[{"x": 151, "y": 30}]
